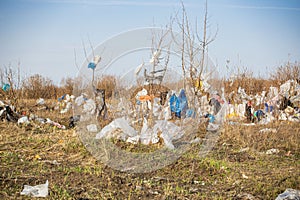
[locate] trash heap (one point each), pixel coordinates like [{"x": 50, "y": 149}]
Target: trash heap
[
  {"x": 8, "y": 113},
  {"x": 277, "y": 104},
  {"x": 149, "y": 119}
]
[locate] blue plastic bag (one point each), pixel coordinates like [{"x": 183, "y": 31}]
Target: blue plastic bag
[
  {"x": 268, "y": 108},
  {"x": 210, "y": 117},
  {"x": 92, "y": 65},
  {"x": 175, "y": 105},
  {"x": 183, "y": 102},
  {"x": 5, "y": 87}
]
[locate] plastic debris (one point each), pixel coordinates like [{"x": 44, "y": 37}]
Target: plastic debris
[
  {"x": 245, "y": 176},
  {"x": 89, "y": 107},
  {"x": 36, "y": 191},
  {"x": 212, "y": 127},
  {"x": 119, "y": 127},
  {"x": 92, "y": 128},
  {"x": 92, "y": 65},
  {"x": 7, "y": 113},
  {"x": 23, "y": 120},
  {"x": 97, "y": 59},
  {"x": 183, "y": 102},
  {"x": 272, "y": 151},
  {"x": 268, "y": 130},
  {"x": 40, "y": 101},
  {"x": 73, "y": 120},
  {"x": 175, "y": 106},
  {"x": 79, "y": 100},
  {"x": 244, "y": 149},
  {"x": 5, "y": 87},
  {"x": 210, "y": 117},
  {"x": 58, "y": 125},
  {"x": 289, "y": 194}
]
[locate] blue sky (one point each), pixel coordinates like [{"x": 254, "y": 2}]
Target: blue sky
[{"x": 259, "y": 35}]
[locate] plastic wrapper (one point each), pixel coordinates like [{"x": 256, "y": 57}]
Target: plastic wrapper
[{"x": 36, "y": 191}]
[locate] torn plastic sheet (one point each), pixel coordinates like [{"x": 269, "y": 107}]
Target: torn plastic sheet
[
  {"x": 58, "y": 125},
  {"x": 23, "y": 120},
  {"x": 169, "y": 132},
  {"x": 36, "y": 191},
  {"x": 92, "y": 128},
  {"x": 40, "y": 101},
  {"x": 289, "y": 194},
  {"x": 268, "y": 130},
  {"x": 120, "y": 124}
]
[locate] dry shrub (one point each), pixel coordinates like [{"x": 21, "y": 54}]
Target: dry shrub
[
  {"x": 67, "y": 86},
  {"x": 37, "y": 86},
  {"x": 289, "y": 71},
  {"x": 251, "y": 85}
]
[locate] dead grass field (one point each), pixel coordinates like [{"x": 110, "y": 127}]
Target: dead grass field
[{"x": 236, "y": 168}]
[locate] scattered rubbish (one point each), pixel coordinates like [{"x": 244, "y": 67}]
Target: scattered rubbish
[
  {"x": 73, "y": 120},
  {"x": 244, "y": 149},
  {"x": 210, "y": 117},
  {"x": 245, "y": 196},
  {"x": 89, "y": 107},
  {"x": 248, "y": 124},
  {"x": 92, "y": 65},
  {"x": 92, "y": 128},
  {"x": 5, "y": 87},
  {"x": 36, "y": 191},
  {"x": 268, "y": 130},
  {"x": 244, "y": 176},
  {"x": 119, "y": 127},
  {"x": 175, "y": 106},
  {"x": 272, "y": 151},
  {"x": 212, "y": 127},
  {"x": 58, "y": 125},
  {"x": 40, "y": 101},
  {"x": 289, "y": 194},
  {"x": 7, "y": 113},
  {"x": 52, "y": 162},
  {"x": 23, "y": 120}
]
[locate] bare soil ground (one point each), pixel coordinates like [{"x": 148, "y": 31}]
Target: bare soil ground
[{"x": 237, "y": 168}]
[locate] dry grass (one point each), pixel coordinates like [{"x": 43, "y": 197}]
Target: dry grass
[{"x": 228, "y": 172}]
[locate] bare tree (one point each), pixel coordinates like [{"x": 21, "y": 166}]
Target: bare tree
[
  {"x": 193, "y": 49},
  {"x": 10, "y": 76}
]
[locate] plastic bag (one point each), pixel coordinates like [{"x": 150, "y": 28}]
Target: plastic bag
[
  {"x": 79, "y": 100},
  {"x": 92, "y": 128},
  {"x": 89, "y": 106},
  {"x": 145, "y": 136},
  {"x": 183, "y": 102},
  {"x": 289, "y": 194},
  {"x": 169, "y": 132},
  {"x": 119, "y": 123},
  {"x": 5, "y": 87},
  {"x": 40, "y": 101},
  {"x": 175, "y": 105},
  {"x": 97, "y": 59},
  {"x": 23, "y": 120},
  {"x": 92, "y": 65},
  {"x": 36, "y": 191}
]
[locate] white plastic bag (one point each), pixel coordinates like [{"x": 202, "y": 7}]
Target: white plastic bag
[
  {"x": 36, "y": 191},
  {"x": 92, "y": 128},
  {"x": 23, "y": 120},
  {"x": 119, "y": 123}
]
